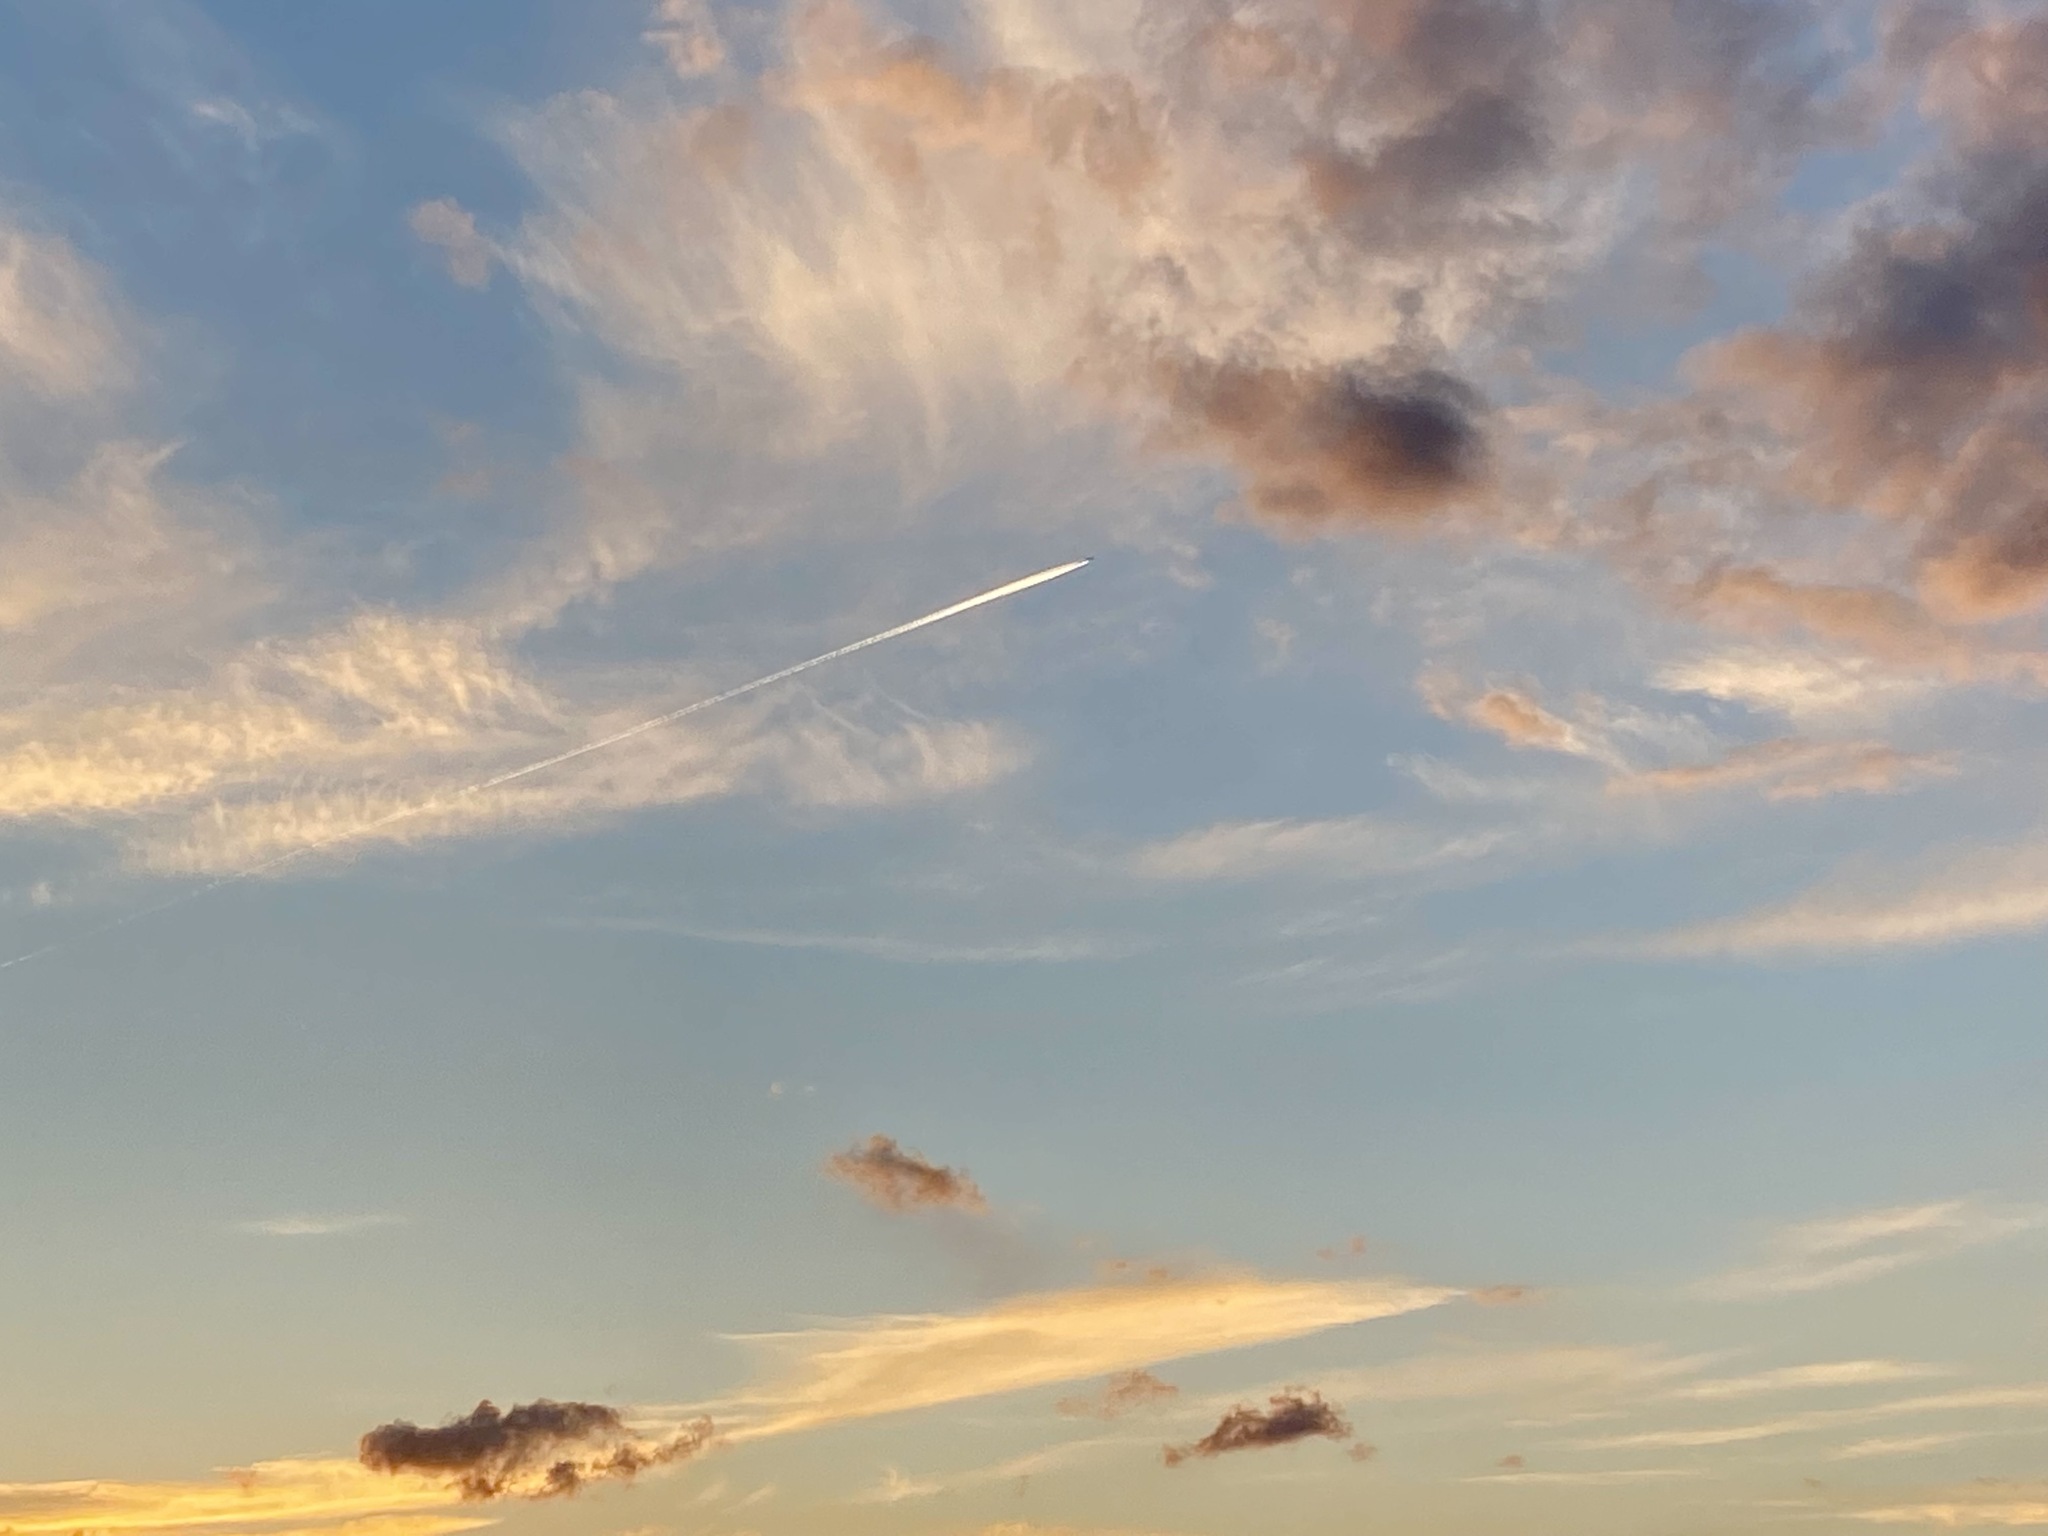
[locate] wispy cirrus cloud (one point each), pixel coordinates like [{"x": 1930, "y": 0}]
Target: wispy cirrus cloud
[
  {"x": 892, "y": 1365},
  {"x": 1611, "y": 1477},
  {"x": 1353, "y": 847},
  {"x": 1849, "y": 1250},
  {"x": 1799, "y": 1378},
  {"x": 1962, "y": 1513},
  {"x": 1818, "y": 1420},
  {"x": 319, "y": 1226},
  {"x": 1947, "y": 898},
  {"x": 305, "y": 1497}
]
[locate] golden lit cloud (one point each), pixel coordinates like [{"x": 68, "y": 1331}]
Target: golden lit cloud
[
  {"x": 275, "y": 1498},
  {"x": 892, "y": 1364}
]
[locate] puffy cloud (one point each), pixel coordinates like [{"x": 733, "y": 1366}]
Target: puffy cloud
[
  {"x": 1290, "y": 1416},
  {"x": 1325, "y": 446},
  {"x": 533, "y": 1450},
  {"x": 897, "y": 1180},
  {"x": 1910, "y": 385}
]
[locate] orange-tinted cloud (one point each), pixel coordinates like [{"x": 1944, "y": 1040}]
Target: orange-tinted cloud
[
  {"x": 893, "y": 1364},
  {"x": 299, "y": 1497},
  {"x": 1790, "y": 768}
]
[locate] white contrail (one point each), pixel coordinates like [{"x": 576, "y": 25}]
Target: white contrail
[{"x": 937, "y": 616}]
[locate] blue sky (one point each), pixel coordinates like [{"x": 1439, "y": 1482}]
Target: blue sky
[{"x": 1496, "y": 925}]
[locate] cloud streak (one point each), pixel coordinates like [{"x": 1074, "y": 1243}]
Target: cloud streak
[
  {"x": 318, "y": 1226},
  {"x": 288, "y": 1496},
  {"x": 893, "y": 1365},
  {"x": 1851, "y": 1250}
]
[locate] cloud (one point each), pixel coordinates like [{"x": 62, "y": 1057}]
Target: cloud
[
  {"x": 1606, "y": 1478},
  {"x": 1951, "y": 899},
  {"x": 895, "y": 1180},
  {"x": 1909, "y": 382},
  {"x": 1903, "y": 1445},
  {"x": 445, "y": 223},
  {"x": 1963, "y": 1513},
  {"x": 1791, "y": 768},
  {"x": 1325, "y": 446},
  {"x": 533, "y": 1450},
  {"x": 376, "y": 732},
  {"x": 1125, "y": 1392},
  {"x": 1053, "y": 949},
  {"x": 891, "y": 1365},
  {"x": 1538, "y": 1377},
  {"x": 1290, "y": 1416},
  {"x": 687, "y": 36},
  {"x": 59, "y": 333},
  {"x": 1351, "y": 846},
  {"x": 1794, "y": 1378},
  {"x": 318, "y": 1226},
  {"x": 304, "y": 1497},
  {"x": 1849, "y": 1250},
  {"x": 1970, "y": 1400},
  {"x": 1800, "y": 685},
  {"x": 894, "y": 1488}
]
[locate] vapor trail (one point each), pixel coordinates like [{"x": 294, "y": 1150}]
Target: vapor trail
[{"x": 937, "y": 616}]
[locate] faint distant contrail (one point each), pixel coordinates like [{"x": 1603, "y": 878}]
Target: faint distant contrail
[{"x": 993, "y": 595}]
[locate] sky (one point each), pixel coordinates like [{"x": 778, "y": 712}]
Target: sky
[{"x": 1477, "y": 971}]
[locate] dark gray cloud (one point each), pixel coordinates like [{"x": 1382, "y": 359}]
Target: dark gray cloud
[
  {"x": 1291, "y": 1415},
  {"x": 541, "y": 1449},
  {"x": 1321, "y": 446},
  {"x": 1912, "y": 383},
  {"x": 897, "y": 1180}
]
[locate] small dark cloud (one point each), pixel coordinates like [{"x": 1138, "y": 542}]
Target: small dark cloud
[
  {"x": 533, "y": 1450},
  {"x": 897, "y": 1180},
  {"x": 1325, "y": 446},
  {"x": 1125, "y": 1392},
  {"x": 1511, "y": 1463},
  {"x": 1291, "y": 1415}
]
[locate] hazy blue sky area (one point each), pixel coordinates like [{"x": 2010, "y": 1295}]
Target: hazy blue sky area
[{"x": 1477, "y": 970}]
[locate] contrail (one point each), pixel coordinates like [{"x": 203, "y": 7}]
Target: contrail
[{"x": 937, "y": 616}]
